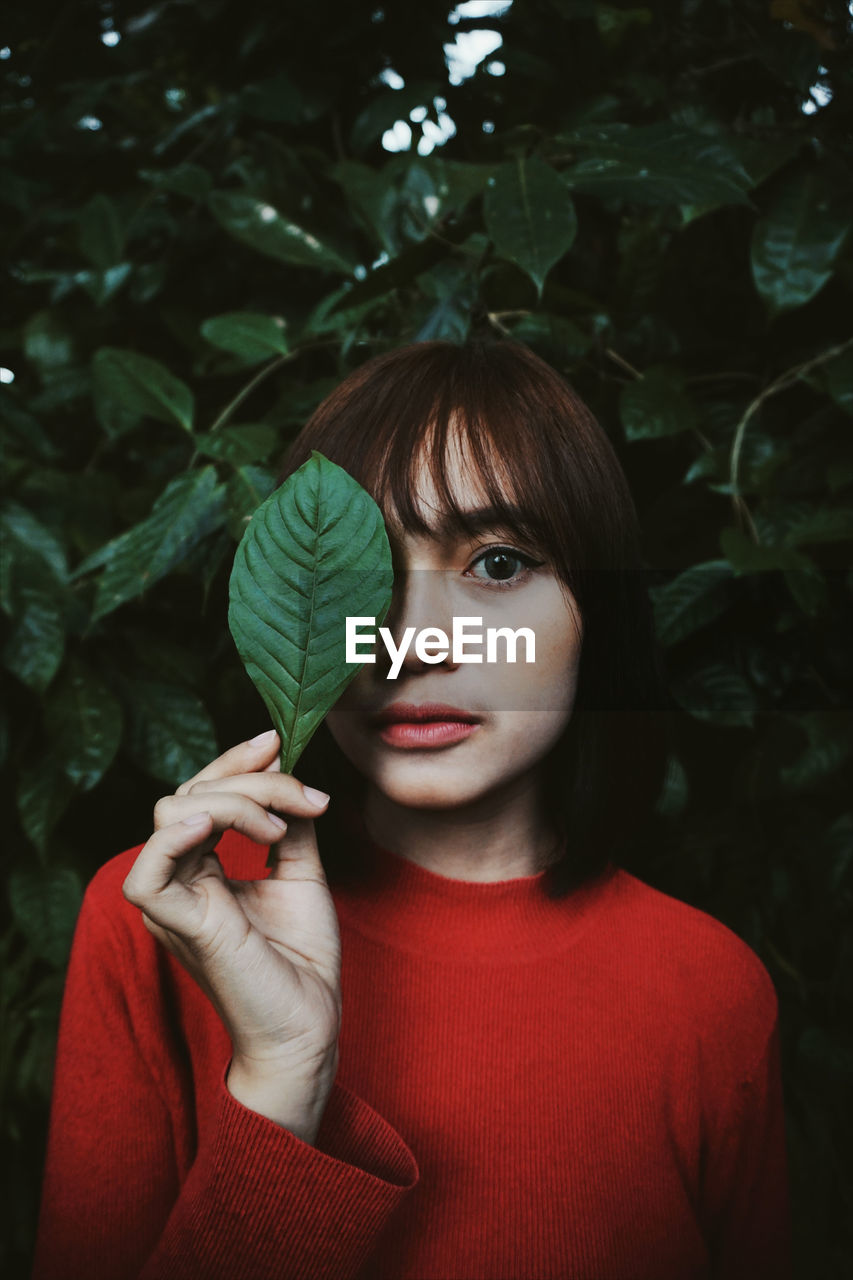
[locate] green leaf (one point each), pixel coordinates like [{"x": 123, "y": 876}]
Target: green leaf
[
  {"x": 172, "y": 735},
  {"x": 828, "y": 749},
  {"x": 100, "y": 234},
  {"x": 821, "y": 524},
  {"x": 457, "y": 182},
  {"x": 206, "y": 562},
  {"x": 224, "y": 107},
  {"x": 239, "y": 445},
  {"x": 693, "y": 599},
  {"x": 190, "y": 508},
  {"x": 431, "y": 190},
  {"x": 84, "y": 723},
  {"x": 102, "y": 284},
  {"x": 661, "y": 163},
  {"x": 558, "y": 340},
  {"x": 263, "y": 228},
  {"x": 247, "y": 334},
  {"x": 716, "y": 693},
  {"x": 141, "y": 386},
  {"x": 43, "y": 794},
  {"x": 838, "y": 379},
  {"x": 419, "y": 202},
  {"x": 838, "y": 844},
  {"x": 47, "y": 342},
  {"x": 614, "y": 24},
  {"x": 189, "y": 180},
  {"x": 45, "y": 904},
  {"x": 34, "y": 595},
  {"x": 775, "y": 520},
  {"x": 707, "y": 465},
  {"x": 675, "y": 791},
  {"x": 656, "y": 405},
  {"x": 454, "y": 289},
  {"x": 808, "y": 587},
  {"x": 783, "y": 528},
  {"x": 19, "y": 523},
  {"x": 387, "y": 107},
  {"x": 373, "y": 199},
  {"x": 762, "y": 156},
  {"x": 796, "y": 242},
  {"x": 37, "y": 1057},
  {"x": 347, "y": 321},
  {"x": 247, "y": 489},
  {"x": 34, "y": 648},
  {"x": 314, "y": 553},
  {"x": 406, "y": 197},
  {"x": 530, "y": 216},
  {"x": 746, "y": 556},
  {"x": 23, "y": 431}
]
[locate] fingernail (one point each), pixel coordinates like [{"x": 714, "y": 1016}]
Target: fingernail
[
  {"x": 263, "y": 739},
  {"x": 196, "y": 820},
  {"x": 273, "y": 817},
  {"x": 313, "y": 796}
]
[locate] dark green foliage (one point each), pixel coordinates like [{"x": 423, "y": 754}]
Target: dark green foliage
[{"x": 204, "y": 235}]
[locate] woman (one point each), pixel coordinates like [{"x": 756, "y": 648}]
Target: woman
[{"x": 448, "y": 1035}]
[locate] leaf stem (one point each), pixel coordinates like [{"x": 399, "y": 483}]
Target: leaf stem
[
  {"x": 496, "y": 317},
  {"x": 242, "y": 395},
  {"x": 246, "y": 391},
  {"x": 623, "y": 363},
  {"x": 256, "y": 381},
  {"x": 784, "y": 380}
]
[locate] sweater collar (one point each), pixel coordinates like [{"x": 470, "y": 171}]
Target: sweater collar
[{"x": 397, "y": 901}]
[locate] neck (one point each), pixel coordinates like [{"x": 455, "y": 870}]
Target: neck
[{"x": 500, "y": 836}]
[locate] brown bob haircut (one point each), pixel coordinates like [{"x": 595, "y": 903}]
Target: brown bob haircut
[{"x": 604, "y": 774}]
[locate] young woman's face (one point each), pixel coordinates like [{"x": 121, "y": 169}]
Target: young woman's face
[{"x": 520, "y": 708}]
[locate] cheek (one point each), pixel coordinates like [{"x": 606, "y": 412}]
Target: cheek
[
  {"x": 339, "y": 721},
  {"x": 558, "y": 648},
  {"x": 350, "y": 704}
]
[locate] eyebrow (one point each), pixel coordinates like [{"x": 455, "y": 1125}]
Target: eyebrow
[{"x": 475, "y": 520}]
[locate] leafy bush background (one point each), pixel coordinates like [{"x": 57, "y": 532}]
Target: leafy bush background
[{"x": 204, "y": 234}]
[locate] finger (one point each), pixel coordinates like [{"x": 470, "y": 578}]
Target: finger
[
  {"x": 296, "y": 856},
  {"x": 153, "y": 872},
  {"x": 254, "y": 754},
  {"x": 228, "y": 809},
  {"x": 279, "y": 791}
]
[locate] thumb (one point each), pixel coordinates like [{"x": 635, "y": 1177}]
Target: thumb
[{"x": 296, "y": 855}]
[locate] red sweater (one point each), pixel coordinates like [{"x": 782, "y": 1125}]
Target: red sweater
[{"x": 586, "y": 1089}]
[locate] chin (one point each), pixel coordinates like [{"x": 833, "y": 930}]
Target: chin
[{"x": 421, "y": 794}]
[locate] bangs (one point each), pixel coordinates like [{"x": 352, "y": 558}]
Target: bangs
[
  {"x": 509, "y": 504},
  {"x": 514, "y": 425},
  {"x": 546, "y": 467}
]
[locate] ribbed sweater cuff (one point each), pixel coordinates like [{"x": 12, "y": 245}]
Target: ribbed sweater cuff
[{"x": 260, "y": 1203}]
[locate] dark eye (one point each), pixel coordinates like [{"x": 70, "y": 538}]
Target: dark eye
[{"x": 501, "y": 564}]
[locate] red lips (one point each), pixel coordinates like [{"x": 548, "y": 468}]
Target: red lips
[{"x": 409, "y": 713}]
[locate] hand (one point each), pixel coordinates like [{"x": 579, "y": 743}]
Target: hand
[{"x": 266, "y": 952}]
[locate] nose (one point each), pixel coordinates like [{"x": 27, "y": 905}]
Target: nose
[{"x": 421, "y": 599}]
